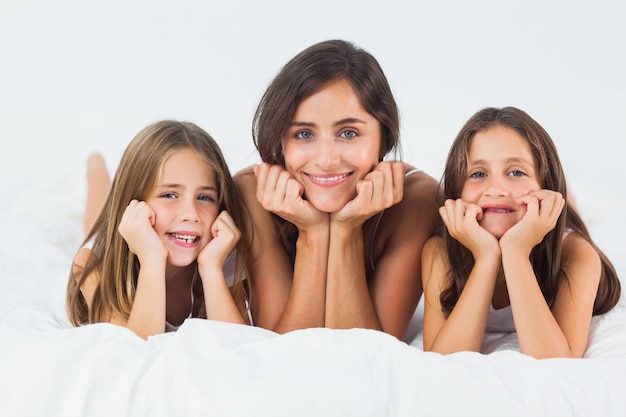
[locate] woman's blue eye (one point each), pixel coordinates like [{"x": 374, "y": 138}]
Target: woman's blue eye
[
  {"x": 349, "y": 134},
  {"x": 304, "y": 135},
  {"x": 168, "y": 195},
  {"x": 517, "y": 173}
]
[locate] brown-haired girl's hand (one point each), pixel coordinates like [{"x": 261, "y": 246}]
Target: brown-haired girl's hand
[
  {"x": 280, "y": 193},
  {"x": 543, "y": 208},
  {"x": 137, "y": 229},
  {"x": 378, "y": 190},
  {"x": 224, "y": 236},
  {"x": 462, "y": 220}
]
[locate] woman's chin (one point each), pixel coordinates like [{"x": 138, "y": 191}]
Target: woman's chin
[{"x": 327, "y": 205}]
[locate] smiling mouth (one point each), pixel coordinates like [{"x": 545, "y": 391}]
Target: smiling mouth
[
  {"x": 185, "y": 238},
  {"x": 328, "y": 180},
  {"x": 497, "y": 210}
]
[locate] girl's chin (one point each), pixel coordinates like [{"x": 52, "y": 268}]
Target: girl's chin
[
  {"x": 180, "y": 261},
  {"x": 496, "y": 230}
]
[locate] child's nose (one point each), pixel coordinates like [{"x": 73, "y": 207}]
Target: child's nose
[
  {"x": 496, "y": 186},
  {"x": 189, "y": 212}
]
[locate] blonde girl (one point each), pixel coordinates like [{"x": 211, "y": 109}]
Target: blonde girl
[{"x": 170, "y": 225}]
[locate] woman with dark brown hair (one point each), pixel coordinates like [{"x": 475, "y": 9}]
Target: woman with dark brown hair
[{"x": 338, "y": 222}]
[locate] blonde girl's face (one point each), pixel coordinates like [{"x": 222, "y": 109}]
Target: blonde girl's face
[
  {"x": 501, "y": 169},
  {"x": 331, "y": 144},
  {"x": 185, "y": 203}
]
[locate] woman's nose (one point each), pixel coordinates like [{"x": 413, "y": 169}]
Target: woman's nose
[{"x": 328, "y": 153}]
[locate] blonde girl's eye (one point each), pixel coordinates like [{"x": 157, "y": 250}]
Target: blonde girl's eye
[{"x": 478, "y": 174}]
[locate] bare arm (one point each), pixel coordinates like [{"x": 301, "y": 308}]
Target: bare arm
[
  {"x": 284, "y": 298},
  {"x": 564, "y": 330},
  {"x": 464, "y": 328},
  {"x": 388, "y": 300},
  {"x": 147, "y": 317},
  {"x": 219, "y": 302}
]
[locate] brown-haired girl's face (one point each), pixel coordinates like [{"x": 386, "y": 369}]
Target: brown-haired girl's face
[
  {"x": 501, "y": 169},
  {"x": 185, "y": 205},
  {"x": 331, "y": 144}
]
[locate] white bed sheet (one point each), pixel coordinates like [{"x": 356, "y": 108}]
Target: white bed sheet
[{"x": 211, "y": 368}]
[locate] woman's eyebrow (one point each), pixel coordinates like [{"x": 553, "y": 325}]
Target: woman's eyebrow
[{"x": 349, "y": 120}]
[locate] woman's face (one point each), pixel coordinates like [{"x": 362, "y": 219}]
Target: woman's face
[
  {"x": 501, "y": 169},
  {"x": 331, "y": 144}
]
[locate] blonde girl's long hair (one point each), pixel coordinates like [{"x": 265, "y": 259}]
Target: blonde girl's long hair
[
  {"x": 136, "y": 176},
  {"x": 546, "y": 256}
]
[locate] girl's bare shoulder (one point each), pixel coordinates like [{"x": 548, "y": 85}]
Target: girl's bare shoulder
[{"x": 577, "y": 252}]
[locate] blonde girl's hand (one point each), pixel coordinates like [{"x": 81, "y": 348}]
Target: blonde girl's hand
[
  {"x": 379, "y": 189},
  {"x": 279, "y": 192},
  {"x": 137, "y": 229},
  {"x": 224, "y": 236},
  {"x": 462, "y": 220},
  {"x": 543, "y": 208}
]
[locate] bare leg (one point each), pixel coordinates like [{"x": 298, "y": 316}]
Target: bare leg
[{"x": 98, "y": 184}]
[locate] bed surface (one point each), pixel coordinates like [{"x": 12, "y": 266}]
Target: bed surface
[{"x": 79, "y": 77}]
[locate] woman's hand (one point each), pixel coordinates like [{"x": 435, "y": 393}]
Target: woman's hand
[
  {"x": 279, "y": 192},
  {"x": 462, "y": 220},
  {"x": 543, "y": 208},
  {"x": 137, "y": 229},
  {"x": 379, "y": 189},
  {"x": 225, "y": 235}
]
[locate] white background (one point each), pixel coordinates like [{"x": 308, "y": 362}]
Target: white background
[{"x": 78, "y": 76}]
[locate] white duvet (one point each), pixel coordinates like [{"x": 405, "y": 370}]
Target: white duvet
[
  {"x": 82, "y": 76},
  {"x": 48, "y": 368}
]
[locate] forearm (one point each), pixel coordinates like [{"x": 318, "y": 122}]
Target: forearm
[
  {"x": 147, "y": 316},
  {"x": 348, "y": 301},
  {"x": 464, "y": 329},
  {"x": 218, "y": 300},
  {"x": 538, "y": 332},
  {"x": 306, "y": 302}
]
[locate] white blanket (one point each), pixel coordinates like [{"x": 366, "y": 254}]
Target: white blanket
[{"x": 210, "y": 368}]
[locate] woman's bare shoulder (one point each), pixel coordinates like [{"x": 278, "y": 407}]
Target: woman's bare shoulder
[
  {"x": 264, "y": 227},
  {"x": 245, "y": 179},
  {"x": 419, "y": 202},
  {"x": 419, "y": 185}
]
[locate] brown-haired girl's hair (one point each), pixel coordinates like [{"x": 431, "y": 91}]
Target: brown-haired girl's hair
[
  {"x": 136, "y": 176},
  {"x": 546, "y": 256}
]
